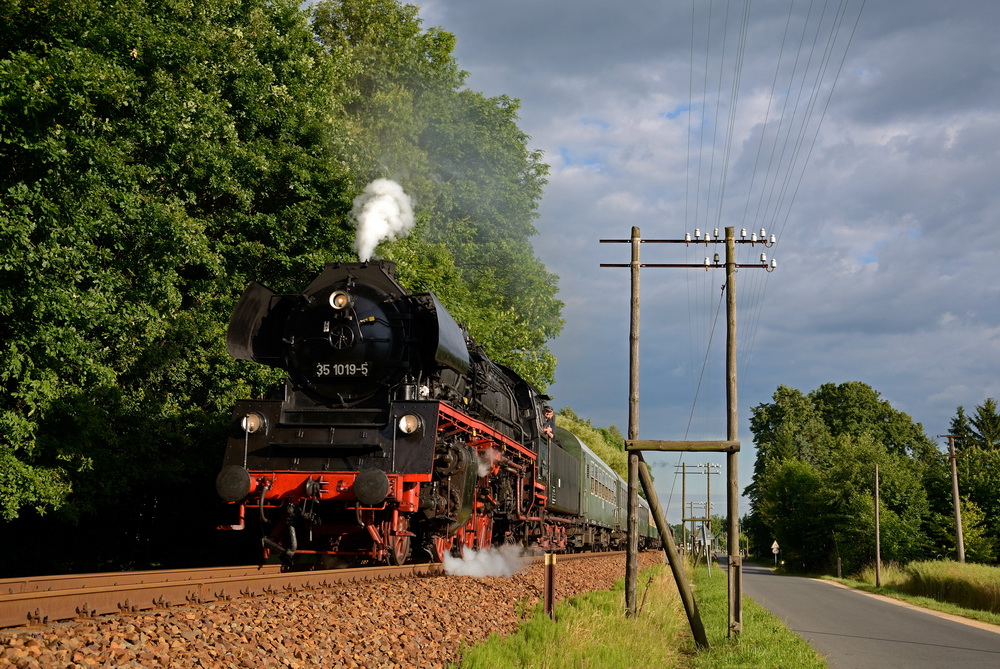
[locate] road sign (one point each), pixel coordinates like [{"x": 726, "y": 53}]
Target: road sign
[{"x": 774, "y": 550}]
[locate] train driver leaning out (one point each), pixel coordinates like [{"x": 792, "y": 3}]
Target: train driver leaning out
[{"x": 549, "y": 425}]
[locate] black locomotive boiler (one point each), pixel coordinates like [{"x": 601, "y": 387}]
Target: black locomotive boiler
[{"x": 394, "y": 436}]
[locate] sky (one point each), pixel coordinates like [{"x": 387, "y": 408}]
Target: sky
[{"x": 864, "y": 137}]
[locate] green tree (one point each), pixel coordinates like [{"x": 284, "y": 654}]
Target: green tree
[
  {"x": 981, "y": 545},
  {"x": 979, "y": 484},
  {"x": 981, "y": 429},
  {"x": 850, "y": 488},
  {"x": 791, "y": 506},
  {"x": 813, "y": 476},
  {"x": 855, "y": 408},
  {"x": 157, "y": 156},
  {"x": 788, "y": 428},
  {"x": 960, "y": 425},
  {"x": 978, "y": 465}
]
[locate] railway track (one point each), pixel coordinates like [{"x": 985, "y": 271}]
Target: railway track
[{"x": 45, "y": 599}]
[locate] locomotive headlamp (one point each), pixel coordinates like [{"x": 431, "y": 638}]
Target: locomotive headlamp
[
  {"x": 252, "y": 422},
  {"x": 339, "y": 299},
  {"x": 409, "y": 423}
]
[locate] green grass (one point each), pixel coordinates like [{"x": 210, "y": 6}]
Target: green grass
[
  {"x": 968, "y": 590},
  {"x": 766, "y": 642},
  {"x": 591, "y": 631}
]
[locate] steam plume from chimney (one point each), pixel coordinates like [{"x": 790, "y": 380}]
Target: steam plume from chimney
[{"x": 382, "y": 212}]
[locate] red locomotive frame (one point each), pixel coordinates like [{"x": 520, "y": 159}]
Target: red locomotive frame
[{"x": 387, "y": 530}]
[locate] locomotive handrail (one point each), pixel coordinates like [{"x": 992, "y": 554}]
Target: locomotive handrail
[{"x": 457, "y": 415}]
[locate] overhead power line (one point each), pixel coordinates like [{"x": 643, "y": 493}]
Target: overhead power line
[{"x": 814, "y": 38}]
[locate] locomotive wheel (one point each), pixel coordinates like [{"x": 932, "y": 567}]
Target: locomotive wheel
[{"x": 399, "y": 544}]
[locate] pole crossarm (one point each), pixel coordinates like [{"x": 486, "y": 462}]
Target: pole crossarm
[
  {"x": 763, "y": 241},
  {"x": 718, "y": 446},
  {"x": 759, "y": 265}
]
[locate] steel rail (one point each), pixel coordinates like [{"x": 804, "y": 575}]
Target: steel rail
[
  {"x": 49, "y": 599},
  {"x": 45, "y": 599}
]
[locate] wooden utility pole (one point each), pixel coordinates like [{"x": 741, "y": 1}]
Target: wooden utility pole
[
  {"x": 959, "y": 537},
  {"x": 730, "y": 446},
  {"x": 637, "y": 472},
  {"x": 732, "y": 432},
  {"x": 670, "y": 548},
  {"x": 684, "y": 541},
  {"x": 878, "y": 536},
  {"x": 632, "y": 556},
  {"x": 709, "y": 468}
]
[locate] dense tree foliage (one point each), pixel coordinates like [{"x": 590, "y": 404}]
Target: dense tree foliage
[
  {"x": 981, "y": 430},
  {"x": 813, "y": 485},
  {"x": 977, "y": 446},
  {"x": 814, "y": 477},
  {"x": 159, "y": 155}
]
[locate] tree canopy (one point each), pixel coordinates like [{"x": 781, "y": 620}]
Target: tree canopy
[
  {"x": 814, "y": 476},
  {"x": 813, "y": 484},
  {"x": 977, "y": 447},
  {"x": 160, "y": 155}
]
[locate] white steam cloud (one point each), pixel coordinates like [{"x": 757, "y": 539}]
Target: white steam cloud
[
  {"x": 487, "y": 459},
  {"x": 504, "y": 561},
  {"x": 382, "y": 212}
]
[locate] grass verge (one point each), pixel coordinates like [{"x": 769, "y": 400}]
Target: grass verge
[
  {"x": 591, "y": 631},
  {"x": 766, "y": 642},
  {"x": 967, "y": 590}
]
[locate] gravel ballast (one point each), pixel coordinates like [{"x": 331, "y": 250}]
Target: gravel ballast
[{"x": 414, "y": 622}]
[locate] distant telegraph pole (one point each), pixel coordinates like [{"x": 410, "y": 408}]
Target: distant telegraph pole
[
  {"x": 709, "y": 469},
  {"x": 730, "y": 446},
  {"x": 878, "y": 535},
  {"x": 959, "y": 537}
]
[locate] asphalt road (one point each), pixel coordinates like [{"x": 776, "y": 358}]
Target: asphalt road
[{"x": 855, "y": 630}]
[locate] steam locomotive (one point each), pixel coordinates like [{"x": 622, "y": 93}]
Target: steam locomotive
[{"x": 395, "y": 438}]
